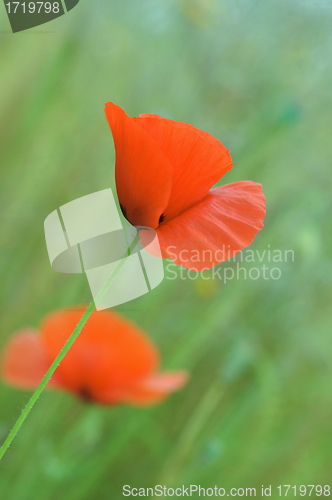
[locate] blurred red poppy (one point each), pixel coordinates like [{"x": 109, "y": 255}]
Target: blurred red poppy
[
  {"x": 111, "y": 362},
  {"x": 164, "y": 172}
]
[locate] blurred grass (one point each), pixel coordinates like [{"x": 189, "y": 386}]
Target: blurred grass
[{"x": 258, "y": 76}]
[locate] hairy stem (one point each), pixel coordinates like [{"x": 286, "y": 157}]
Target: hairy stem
[{"x": 64, "y": 351}]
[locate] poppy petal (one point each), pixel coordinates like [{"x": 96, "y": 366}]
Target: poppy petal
[
  {"x": 199, "y": 160},
  {"x": 216, "y": 229},
  {"x": 155, "y": 388},
  {"x": 143, "y": 174},
  {"x": 24, "y": 361},
  {"x": 110, "y": 353}
]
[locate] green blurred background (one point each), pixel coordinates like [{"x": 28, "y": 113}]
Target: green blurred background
[{"x": 256, "y": 74}]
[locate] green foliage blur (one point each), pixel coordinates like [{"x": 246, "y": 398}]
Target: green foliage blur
[{"x": 257, "y": 75}]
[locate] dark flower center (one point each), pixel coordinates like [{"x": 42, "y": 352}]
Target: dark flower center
[
  {"x": 123, "y": 210},
  {"x": 85, "y": 394}
]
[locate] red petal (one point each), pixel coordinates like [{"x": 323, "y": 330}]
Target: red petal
[
  {"x": 154, "y": 388},
  {"x": 198, "y": 160},
  {"x": 216, "y": 229},
  {"x": 109, "y": 354},
  {"x": 24, "y": 361},
  {"x": 143, "y": 174}
]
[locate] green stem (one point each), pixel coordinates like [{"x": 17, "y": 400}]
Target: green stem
[{"x": 64, "y": 351}]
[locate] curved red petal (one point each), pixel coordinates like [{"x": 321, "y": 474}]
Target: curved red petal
[
  {"x": 154, "y": 388},
  {"x": 199, "y": 160},
  {"x": 143, "y": 174},
  {"x": 110, "y": 353},
  {"x": 24, "y": 361},
  {"x": 216, "y": 229}
]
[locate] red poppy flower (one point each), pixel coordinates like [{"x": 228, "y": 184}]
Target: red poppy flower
[
  {"x": 111, "y": 362},
  {"x": 164, "y": 171}
]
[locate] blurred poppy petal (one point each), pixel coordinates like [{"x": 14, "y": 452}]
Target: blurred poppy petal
[
  {"x": 111, "y": 362},
  {"x": 143, "y": 173},
  {"x": 155, "y": 388},
  {"x": 25, "y": 362},
  {"x": 216, "y": 229},
  {"x": 198, "y": 160},
  {"x": 110, "y": 353}
]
